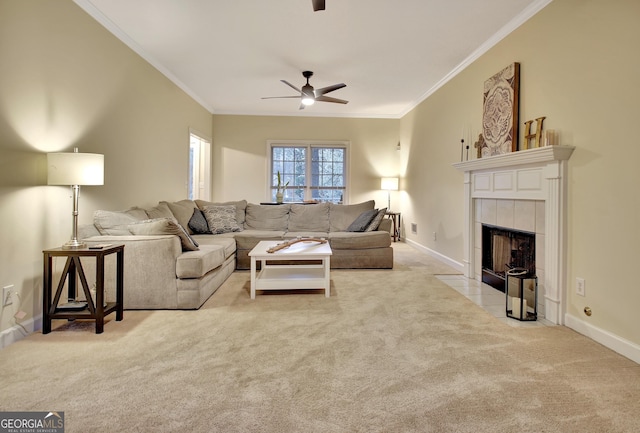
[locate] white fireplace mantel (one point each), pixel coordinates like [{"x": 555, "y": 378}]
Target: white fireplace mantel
[{"x": 533, "y": 174}]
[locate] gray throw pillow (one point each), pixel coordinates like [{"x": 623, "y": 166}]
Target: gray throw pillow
[
  {"x": 164, "y": 226},
  {"x": 221, "y": 219},
  {"x": 375, "y": 222},
  {"x": 362, "y": 221},
  {"x": 198, "y": 223}
]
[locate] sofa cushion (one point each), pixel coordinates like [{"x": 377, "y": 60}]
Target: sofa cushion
[
  {"x": 309, "y": 217},
  {"x": 359, "y": 240},
  {"x": 160, "y": 211},
  {"x": 267, "y": 217},
  {"x": 375, "y": 222},
  {"x": 241, "y": 208},
  {"x": 182, "y": 211},
  {"x": 341, "y": 215},
  {"x": 198, "y": 223},
  {"x": 363, "y": 220},
  {"x": 293, "y": 235},
  {"x": 116, "y": 223},
  {"x": 226, "y": 241},
  {"x": 163, "y": 226},
  {"x": 195, "y": 264},
  {"x": 221, "y": 219},
  {"x": 248, "y": 239}
]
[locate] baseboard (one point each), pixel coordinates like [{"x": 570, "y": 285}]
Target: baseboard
[
  {"x": 614, "y": 342},
  {"x": 444, "y": 259},
  {"x": 20, "y": 331}
]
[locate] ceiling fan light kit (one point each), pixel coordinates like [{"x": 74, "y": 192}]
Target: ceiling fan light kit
[{"x": 308, "y": 95}]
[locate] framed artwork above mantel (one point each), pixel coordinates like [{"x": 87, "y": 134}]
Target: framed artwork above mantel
[{"x": 500, "y": 112}]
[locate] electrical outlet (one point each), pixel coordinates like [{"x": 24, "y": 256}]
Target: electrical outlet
[
  {"x": 580, "y": 286},
  {"x": 414, "y": 228},
  {"x": 6, "y": 295},
  {"x": 435, "y": 237}
]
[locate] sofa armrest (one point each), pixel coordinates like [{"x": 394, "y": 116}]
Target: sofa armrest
[
  {"x": 386, "y": 225},
  {"x": 149, "y": 270},
  {"x": 87, "y": 231}
]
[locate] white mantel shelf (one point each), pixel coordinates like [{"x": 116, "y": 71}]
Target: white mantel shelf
[
  {"x": 539, "y": 155},
  {"x": 533, "y": 174}
]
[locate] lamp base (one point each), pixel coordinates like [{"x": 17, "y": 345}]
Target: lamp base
[{"x": 74, "y": 244}]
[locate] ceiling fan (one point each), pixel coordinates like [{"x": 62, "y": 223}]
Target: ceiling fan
[
  {"x": 308, "y": 95},
  {"x": 318, "y": 5}
]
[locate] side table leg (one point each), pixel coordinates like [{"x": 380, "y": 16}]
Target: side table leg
[
  {"x": 120, "y": 285},
  {"x": 46, "y": 295},
  {"x": 99, "y": 307}
]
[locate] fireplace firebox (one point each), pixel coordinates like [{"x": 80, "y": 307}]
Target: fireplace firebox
[{"x": 504, "y": 249}]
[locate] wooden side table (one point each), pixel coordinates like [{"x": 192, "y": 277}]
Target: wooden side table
[
  {"x": 395, "y": 216},
  {"x": 73, "y": 268}
]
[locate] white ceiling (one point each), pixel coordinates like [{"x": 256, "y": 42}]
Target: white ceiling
[{"x": 227, "y": 54}]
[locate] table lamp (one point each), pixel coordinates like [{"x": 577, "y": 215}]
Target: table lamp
[
  {"x": 389, "y": 184},
  {"x": 75, "y": 169}
]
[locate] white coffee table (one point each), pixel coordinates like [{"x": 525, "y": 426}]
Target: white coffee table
[{"x": 279, "y": 276}]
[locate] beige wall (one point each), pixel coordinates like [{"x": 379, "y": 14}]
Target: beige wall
[
  {"x": 579, "y": 67},
  {"x": 65, "y": 81},
  {"x": 240, "y": 152}
]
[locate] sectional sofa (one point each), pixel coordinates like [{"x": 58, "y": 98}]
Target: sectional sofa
[{"x": 177, "y": 254}]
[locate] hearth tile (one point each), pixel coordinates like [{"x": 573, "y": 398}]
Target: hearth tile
[{"x": 488, "y": 299}]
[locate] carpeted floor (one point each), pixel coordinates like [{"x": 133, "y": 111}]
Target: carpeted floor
[{"x": 389, "y": 351}]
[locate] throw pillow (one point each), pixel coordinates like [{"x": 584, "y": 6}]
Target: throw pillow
[
  {"x": 182, "y": 211},
  {"x": 198, "y": 223},
  {"x": 375, "y": 222},
  {"x": 115, "y": 223},
  {"x": 221, "y": 219},
  {"x": 160, "y": 211},
  {"x": 241, "y": 208},
  {"x": 164, "y": 226},
  {"x": 362, "y": 221},
  {"x": 341, "y": 215}
]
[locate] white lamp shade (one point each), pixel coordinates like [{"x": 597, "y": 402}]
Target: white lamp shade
[
  {"x": 389, "y": 183},
  {"x": 75, "y": 169}
]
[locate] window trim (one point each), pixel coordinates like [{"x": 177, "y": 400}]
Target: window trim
[{"x": 310, "y": 144}]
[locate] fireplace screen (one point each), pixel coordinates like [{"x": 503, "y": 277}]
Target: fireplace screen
[{"x": 505, "y": 249}]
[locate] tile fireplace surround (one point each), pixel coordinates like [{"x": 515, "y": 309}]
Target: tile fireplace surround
[{"x": 534, "y": 179}]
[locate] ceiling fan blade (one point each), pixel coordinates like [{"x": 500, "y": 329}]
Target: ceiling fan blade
[
  {"x": 318, "y": 5},
  {"x": 278, "y": 97},
  {"x": 328, "y": 89},
  {"x": 330, "y": 99},
  {"x": 292, "y": 86}
]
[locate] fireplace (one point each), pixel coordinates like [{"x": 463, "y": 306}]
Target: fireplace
[
  {"x": 505, "y": 249},
  {"x": 538, "y": 174}
]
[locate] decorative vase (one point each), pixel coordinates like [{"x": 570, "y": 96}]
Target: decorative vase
[{"x": 279, "y": 197}]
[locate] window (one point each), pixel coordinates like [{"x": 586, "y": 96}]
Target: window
[
  {"x": 315, "y": 171},
  {"x": 199, "y": 167}
]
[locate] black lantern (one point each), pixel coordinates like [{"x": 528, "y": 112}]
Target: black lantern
[{"x": 522, "y": 294}]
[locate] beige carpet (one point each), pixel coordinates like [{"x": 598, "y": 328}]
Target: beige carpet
[{"x": 390, "y": 351}]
